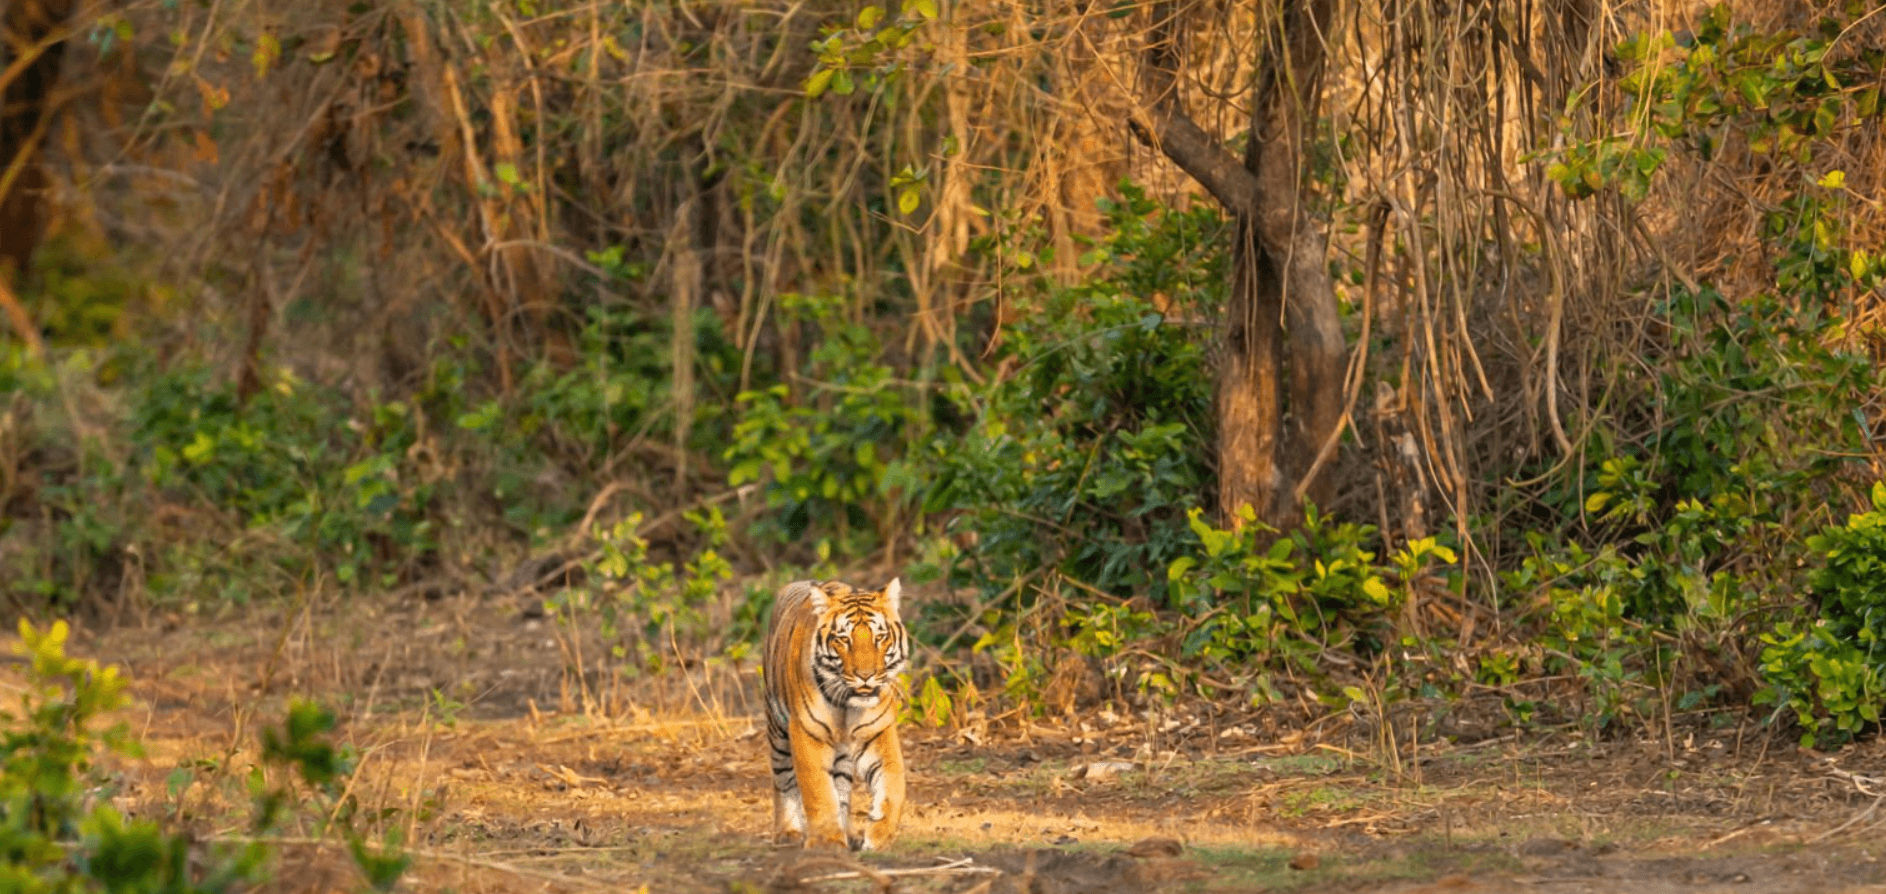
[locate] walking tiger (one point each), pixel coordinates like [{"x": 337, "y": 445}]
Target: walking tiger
[{"x": 832, "y": 659}]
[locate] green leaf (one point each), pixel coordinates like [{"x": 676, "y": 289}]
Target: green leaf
[
  {"x": 614, "y": 563},
  {"x": 178, "y": 780},
  {"x": 507, "y": 173},
  {"x": 841, "y": 82},
  {"x": 1179, "y": 567},
  {"x": 1834, "y": 180},
  {"x": 816, "y": 84},
  {"x": 1827, "y": 115},
  {"x": 869, "y": 17},
  {"x": 908, "y": 199},
  {"x": 199, "y": 448},
  {"x": 267, "y": 50},
  {"x": 924, "y": 8}
]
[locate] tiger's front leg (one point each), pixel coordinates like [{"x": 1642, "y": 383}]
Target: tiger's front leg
[
  {"x": 882, "y": 769},
  {"x": 812, "y": 764}
]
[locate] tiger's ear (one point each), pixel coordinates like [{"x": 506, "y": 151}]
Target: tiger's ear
[
  {"x": 816, "y": 596},
  {"x": 893, "y": 592}
]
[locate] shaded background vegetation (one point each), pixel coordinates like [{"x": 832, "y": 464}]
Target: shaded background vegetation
[{"x": 644, "y": 308}]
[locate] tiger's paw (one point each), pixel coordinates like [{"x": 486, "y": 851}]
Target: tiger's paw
[
  {"x": 877, "y": 837},
  {"x": 832, "y": 840},
  {"x": 789, "y": 834}
]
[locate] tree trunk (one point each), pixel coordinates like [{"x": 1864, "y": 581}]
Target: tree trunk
[
  {"x": 1250, "y": 384},
  {"x": 1282, "y": 319}
]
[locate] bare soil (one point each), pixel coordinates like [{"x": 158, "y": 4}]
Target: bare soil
[{"x": 505, "y": 769}]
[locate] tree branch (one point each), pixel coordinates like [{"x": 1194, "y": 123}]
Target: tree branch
[
  {"x": 1197, "y": 153},
  {"x": 18, "y": 318},
  {"x": 1164, "y": 126}
]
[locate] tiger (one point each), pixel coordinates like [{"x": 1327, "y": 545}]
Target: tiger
[{"x": 831, "y": 661}]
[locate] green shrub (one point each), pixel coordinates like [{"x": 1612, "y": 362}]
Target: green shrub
[
  {"x": 297, "y": 460},
  {"x": 156, "y": 474},
  {"x": 1786, "y": 93},
  {"x": 830, "y": 449},
  {"x": 586, "y": 422},
  {"x": 1830, "y": 671},
  {"x": 1264, "y": 598},
  {"x": 647, "y": 609},
  {"x": 1691, "y": 535},
  {"x": 58, "y": 833},
  {"x": 1742, "y": 424},
  {"x": 1088, "y": 455},
  {"x": 67, "y": 541}
]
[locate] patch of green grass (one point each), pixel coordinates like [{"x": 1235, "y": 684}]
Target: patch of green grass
[
  {"x": 1315, "y": 763},
  {"x": 1206, "y": 776},
  {"x": 957, "y": 767},
  {"x": 1260, "y": 869},
  {"x": 1325, "y": 799}
]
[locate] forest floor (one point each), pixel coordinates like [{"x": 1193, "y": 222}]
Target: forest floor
[{"x": 476, "y": 746}]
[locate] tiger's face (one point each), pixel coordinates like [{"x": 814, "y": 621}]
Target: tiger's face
[{"x": 861, "y": 647}]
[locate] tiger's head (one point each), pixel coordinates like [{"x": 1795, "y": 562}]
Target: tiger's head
[{"x": 860, "y": 647}]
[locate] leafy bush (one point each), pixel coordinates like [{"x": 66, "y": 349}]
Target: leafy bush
[
  {"x": 1786, "y": 93},
  {"x": 297, "y": 459},
  {"x": 1693, "y": 529},
  {"x": 831, "y": 451},
  {"x": 1753, "y": 432},
  {"x": 1087, "y": 456},
  {"x": 150, "y": 470},
  {"x": 1264, "y": 598},
  {"x": 58, "y": 833},
  {"x": 61, "y": 515},
  {"x": 1830, "y": 672},
  {"x": 1250, "y": 604},
  {"x": 584, "y": 422},
  {"x": 1741, "y": 428},
  {"x": 645, "y": 608}
]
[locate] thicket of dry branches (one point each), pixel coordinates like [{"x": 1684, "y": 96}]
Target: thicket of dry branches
[{"x": 342, "y": 187}]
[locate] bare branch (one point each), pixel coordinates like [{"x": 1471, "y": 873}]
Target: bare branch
[
  {"x": 1166, "y": 127},
  {"x": 1197, "y": 153}
]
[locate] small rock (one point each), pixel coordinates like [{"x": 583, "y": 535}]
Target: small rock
[
  {"x": 1099, "y": 770},
  {"x": 1546, "y": 847},
  {"x": 1155, "y": 847}
]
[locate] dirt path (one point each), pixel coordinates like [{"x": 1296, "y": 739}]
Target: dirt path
[{"x": 473, "y": 745}]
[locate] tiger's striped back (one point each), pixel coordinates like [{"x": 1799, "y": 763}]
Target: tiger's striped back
[{"x": 832, "y": 660}]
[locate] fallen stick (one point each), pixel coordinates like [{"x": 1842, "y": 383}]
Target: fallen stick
[{"x": 962, "y": 866}]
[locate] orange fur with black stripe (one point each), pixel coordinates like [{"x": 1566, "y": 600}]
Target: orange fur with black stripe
[{"x": 832, "y": 659}]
